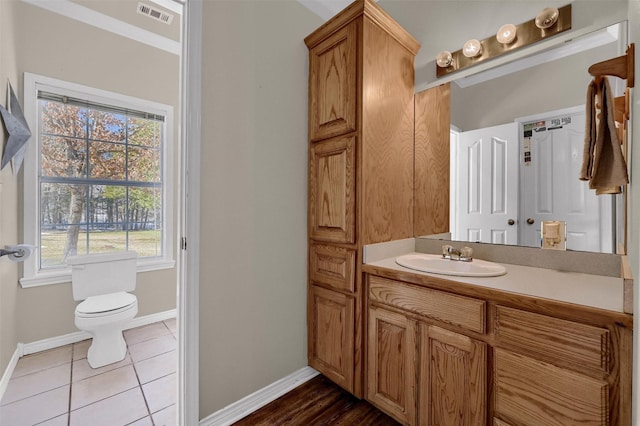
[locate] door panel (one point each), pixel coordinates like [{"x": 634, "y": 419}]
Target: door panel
[
  {"x": 551, "y": 189},
  {"x": 487, "y": 190}
]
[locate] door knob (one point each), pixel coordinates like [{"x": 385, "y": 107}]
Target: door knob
[
  {"x": 511, "y": 222},
  {"x": 530, "y": 221}
]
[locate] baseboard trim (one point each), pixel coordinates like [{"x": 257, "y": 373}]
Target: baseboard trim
[
  {"x": 250, "y": 403},
  {"x": 78, "y": 336},
  {"x": 4, "y": 382}
]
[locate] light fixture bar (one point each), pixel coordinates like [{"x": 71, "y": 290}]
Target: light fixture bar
[
  {"x": 589, "y": 41},
  {"x": 528, "y": 33}
]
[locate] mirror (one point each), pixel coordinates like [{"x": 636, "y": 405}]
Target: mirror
[{"x": 543, "y": 109}]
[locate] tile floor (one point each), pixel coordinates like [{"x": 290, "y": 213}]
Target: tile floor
[{"x": 59, "y": 388}]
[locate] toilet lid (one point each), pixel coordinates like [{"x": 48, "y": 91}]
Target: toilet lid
[{"x": 106, "y": 303}]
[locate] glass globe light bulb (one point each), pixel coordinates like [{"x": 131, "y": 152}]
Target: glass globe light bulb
[
  {"x": 444, "y": 59},
  {"x": 472, "y": 48},
  {"x": 506, "y": 34}
]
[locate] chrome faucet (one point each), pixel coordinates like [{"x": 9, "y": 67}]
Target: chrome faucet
[{"x": 465, "y": 254}]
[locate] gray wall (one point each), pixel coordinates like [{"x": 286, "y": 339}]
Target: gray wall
[
  {"x": 253, "y": 249},
  {"x": 49, "y": 44},
  {"x": 547, "y": 87},
  {"x": 8, "y": 201}
]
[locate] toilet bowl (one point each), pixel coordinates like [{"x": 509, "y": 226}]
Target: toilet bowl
[
  {"x": 102, "y": 281},
  {"x": 104, "y": 317}
]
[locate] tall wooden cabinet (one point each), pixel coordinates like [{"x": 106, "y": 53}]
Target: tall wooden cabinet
[{"x": 361, "y": 152}]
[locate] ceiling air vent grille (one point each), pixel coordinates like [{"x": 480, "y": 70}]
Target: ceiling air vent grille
[{"x": 154, "y": 13}]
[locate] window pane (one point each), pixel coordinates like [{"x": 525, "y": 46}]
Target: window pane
[
  {"x": 107, "y": 160},
  {"x": 144, "y": 132},
  {"x": 104, "y": 238},
  {"x": 53, "y": 243},
  {"x": 145, "y": 221},
  {"x": 107, "y": 209},
  {"x": 144, "y": 164},
  {"x": 62, "y": 222},
  {"x": 61, "y": 204},
  {"x": 107, "y": 126},
  {"x": 63, "y": 120},
  {"x": 63, "y": 157}
]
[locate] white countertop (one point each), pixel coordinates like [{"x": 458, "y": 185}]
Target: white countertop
[{"x": 583, "y": 289}]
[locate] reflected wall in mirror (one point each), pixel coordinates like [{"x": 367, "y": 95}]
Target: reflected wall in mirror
[{"x": 516, "y": 152}]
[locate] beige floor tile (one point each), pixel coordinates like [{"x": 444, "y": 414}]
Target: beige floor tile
[
  {"x": 156, "y": 367},
  {"x": 42, "y": 360},
  {"x": 35, "y": 383},
  {"x": 31, "y": 411},
  {"x": 171, "y": 325},
  {"x": 82, "y": 369},
  {"x": 142, "y": 422},
  {"x": 80, "y": 349},
  {"x": 146, "y": 332},
  {"x": 165, "y": 417},
  {"x": 62, "y": 420},
  {"x": 120, "y": 409},
  {"x": 153, "y": 347},
  {"x": 102, "y": 386},
  {"x": 160, "y": 393}
]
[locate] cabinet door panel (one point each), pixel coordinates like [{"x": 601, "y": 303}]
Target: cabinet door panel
[
  {"x": 530, "y": 392},
  {"x": 332, "y": 85},
  {"x": 391, "y": 358},
  {"x": 331, "y": 335},
  {"x": 453, "y": 388},
  {"x": 332, "y": 190}
]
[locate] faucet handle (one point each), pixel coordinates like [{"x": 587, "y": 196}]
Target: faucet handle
[
  {"x": 446, "y": 250},
  {"x": 466, "y": 252}
]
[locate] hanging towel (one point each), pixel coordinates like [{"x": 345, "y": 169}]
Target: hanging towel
[{"x": 603, "y": 164}]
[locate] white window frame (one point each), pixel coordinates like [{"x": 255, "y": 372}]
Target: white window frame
[{"x": 32, "y": 275}]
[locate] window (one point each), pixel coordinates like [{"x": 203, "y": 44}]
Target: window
[{"x": 97, "y": 176}]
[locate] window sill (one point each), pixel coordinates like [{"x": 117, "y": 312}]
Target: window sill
[{"x": 64, "y": 276}]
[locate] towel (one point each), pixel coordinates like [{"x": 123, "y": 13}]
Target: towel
[{"x": 603, "y": 163}]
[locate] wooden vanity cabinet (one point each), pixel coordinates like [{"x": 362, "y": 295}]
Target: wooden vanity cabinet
[
  {"x": 361, "y": 119},
  {"x": 437, "y": 357}
]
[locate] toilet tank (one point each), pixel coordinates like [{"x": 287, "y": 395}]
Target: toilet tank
[{"x": 96, "y": 274}]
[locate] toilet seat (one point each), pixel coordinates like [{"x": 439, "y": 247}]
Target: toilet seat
[{"x": 106, "y": 304}]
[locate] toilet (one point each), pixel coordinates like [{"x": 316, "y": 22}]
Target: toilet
[{"x": 102, "y": 282}]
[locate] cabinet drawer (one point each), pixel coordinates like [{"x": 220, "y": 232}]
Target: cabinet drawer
[
  {"x": 439, "y": 305},
  {"x": 560, "y": 342},
  {"x": 332, "y": 266},
  {"x": 530, "y": 392}
]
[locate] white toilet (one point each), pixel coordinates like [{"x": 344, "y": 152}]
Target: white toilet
[{"x": 102, "y": 281}]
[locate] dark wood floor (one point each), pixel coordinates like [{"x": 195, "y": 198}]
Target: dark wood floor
[{"x": 315, "y": 403}]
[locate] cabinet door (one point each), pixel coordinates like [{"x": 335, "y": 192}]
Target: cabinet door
[
  {"x": 453, "y": 378},
  {"x": 391, "y": 364},
  {"x": 332, "y": 190},
  {"x": 331, "y": 335},
  {"x": 332, "y": 85}
]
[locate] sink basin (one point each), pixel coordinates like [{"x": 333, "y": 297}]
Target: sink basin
[{"x": 435, "y": 264}]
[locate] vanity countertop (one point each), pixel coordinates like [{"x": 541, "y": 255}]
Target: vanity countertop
[{"x": 596, "y": 291}]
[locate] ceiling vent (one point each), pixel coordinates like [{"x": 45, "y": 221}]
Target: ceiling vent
[{"x": 154, "y": 13}]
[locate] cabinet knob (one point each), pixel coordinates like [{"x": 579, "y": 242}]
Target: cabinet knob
[
  {"x": 530, "y": 221},
  {"x": 511, "y": 222}
]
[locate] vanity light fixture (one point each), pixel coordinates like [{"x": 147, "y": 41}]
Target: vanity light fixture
[
  {"x": 506, "y": 34},
  {"x": 547, "y": 18},
  {"x": 444, "y": 59},
  {"x": 472, "y": 48},
  {"x": 509, "y": 38}
]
